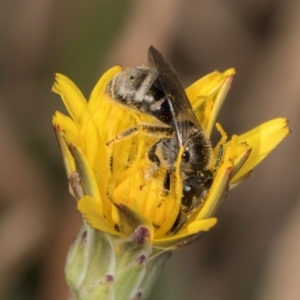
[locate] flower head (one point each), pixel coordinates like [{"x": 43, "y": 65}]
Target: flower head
[{"x": 119, "y": 189}]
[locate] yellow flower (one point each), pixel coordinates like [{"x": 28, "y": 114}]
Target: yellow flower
[{"x": 117, "y": 189}]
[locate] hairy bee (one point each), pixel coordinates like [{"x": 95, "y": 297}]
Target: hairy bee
[{"x": 158, "y": 92}]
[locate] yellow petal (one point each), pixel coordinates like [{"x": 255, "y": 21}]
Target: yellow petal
[
  {"x": 98, "y": 91},
  {"x": 72, "y": 97},
  {"x": 217, "y": 191},
  {"x": 181, "y": 239},
  {"x": 66, "y": 154},
  {"x": 240, "y": 156},
  {"x": 91, "y": 210},
  {"x": 207, "y": 85},
  {"x": 87, "y": 178},
  {"x": 65, "y": 122},
  {"x": 222, "y": 93},
  {"x": 131, "y": 219},
  {"x": 262, "y": 140},
  {"x": 68, "y": 127}
]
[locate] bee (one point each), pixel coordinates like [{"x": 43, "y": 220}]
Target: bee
[{"x": 157, "y": 91}]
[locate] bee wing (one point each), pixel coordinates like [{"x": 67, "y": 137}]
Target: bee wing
[{"x": 168, "y": 81}]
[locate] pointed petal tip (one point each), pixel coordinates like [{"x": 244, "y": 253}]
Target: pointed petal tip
[
  {"x": 280, "y": 122},
  {"x": 231, "y": 72},
  {"x": 57, "y": 77}
]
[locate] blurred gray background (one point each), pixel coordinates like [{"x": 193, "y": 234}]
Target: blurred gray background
[{"x": 254, "y": 251}]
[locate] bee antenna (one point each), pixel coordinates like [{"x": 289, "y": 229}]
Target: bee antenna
[{"x": 218, "y": 161}]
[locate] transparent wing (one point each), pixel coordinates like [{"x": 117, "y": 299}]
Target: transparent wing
[{"x": 168, "y": 81}]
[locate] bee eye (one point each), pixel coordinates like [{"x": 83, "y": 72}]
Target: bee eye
[{"x": 185, "y": 156}]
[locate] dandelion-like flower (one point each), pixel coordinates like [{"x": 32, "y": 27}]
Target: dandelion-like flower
[{"x": 128, "y": 229}]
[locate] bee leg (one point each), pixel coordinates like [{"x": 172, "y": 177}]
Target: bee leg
[
  {"x": 152, "y": 156},
  {"x": 123, "y": 135},
  {"x": 167, "y": 183},
  {"x": 155, "y": 159},
  {"x": 155, "y": 131},
  {"x": 150, "y": 130}
]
